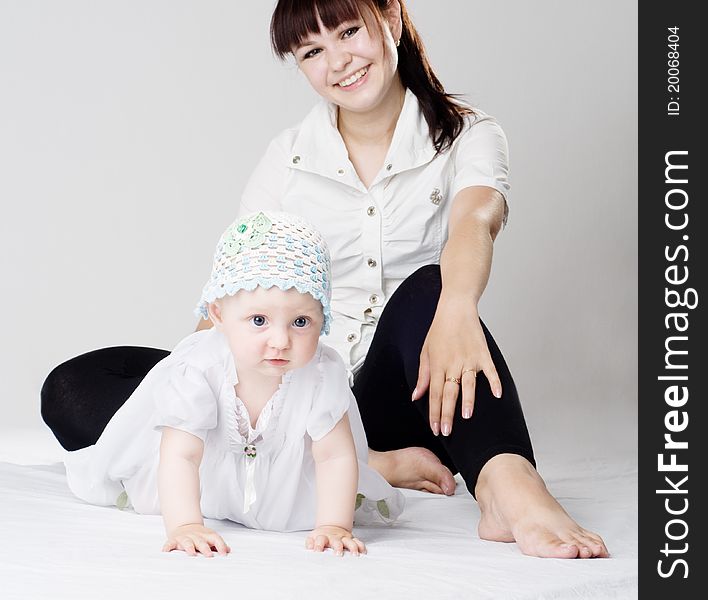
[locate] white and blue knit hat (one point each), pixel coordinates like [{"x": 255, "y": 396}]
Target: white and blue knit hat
[{"x": 269, "y": 249}]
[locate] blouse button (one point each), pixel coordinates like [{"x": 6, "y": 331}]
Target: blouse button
[
  {"x": 296, "y": 159},
  {"x": 351, "y": 337},
  {"x": 371, "y": 262},
  {"x": 389, "y": 166},
  {"x": 373, "y": 299},
  {"x": 371, "y": 211},
  {"x": 340, "y": 172}
]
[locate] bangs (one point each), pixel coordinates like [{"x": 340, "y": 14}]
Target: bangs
[{"x": 295, "y": 20}]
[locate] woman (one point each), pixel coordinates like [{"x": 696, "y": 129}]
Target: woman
[{"x": 399, "y": 177}]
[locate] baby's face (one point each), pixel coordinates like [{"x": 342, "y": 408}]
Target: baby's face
[{"x": 270, "y": 331}]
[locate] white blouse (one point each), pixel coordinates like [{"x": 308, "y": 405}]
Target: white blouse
[
  {"x": 263, "y": 476},
  {"x": 377, "y": 236}
]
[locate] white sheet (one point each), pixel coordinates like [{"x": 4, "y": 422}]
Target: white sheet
[{"x": 55, "y": 546}]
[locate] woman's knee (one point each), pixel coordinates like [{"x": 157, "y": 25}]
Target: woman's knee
[{"x": 421, "y": 289}]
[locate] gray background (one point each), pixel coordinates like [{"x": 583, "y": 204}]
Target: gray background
[{"x": 128, "y": 130}]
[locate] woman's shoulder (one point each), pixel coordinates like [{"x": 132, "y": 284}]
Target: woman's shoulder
[
  {"x": 285, "y": 142},
  {"x": 479, "y": 122},
  {"x": 481, "y": 133}
]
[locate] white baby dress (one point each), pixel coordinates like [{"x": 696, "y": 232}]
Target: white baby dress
[{"x": 192, "y": 389}]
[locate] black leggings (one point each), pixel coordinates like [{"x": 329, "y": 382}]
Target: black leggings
[{"x": 81, "y": 395}]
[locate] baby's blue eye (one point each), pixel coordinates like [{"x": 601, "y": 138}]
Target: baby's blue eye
[
  {"x": 258, "y": 320},
  {"x": 301, "y": 322}
]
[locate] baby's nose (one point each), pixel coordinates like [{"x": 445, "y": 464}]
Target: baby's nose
[{"x": 279, "y": 338}]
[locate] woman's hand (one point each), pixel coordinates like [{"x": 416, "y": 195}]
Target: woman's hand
[
  {"x": 195, "y": 539},
  {"x": 337, "y": 538},
  {"x": 455, "y": 347}
]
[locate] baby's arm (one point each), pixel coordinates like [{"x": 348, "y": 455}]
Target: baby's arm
[
  {"x": 178, "y": 489},
  {"x": 337, "y": 473}
]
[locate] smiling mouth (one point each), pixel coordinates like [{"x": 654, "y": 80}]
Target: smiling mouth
[{"x": 352, "y": 79}]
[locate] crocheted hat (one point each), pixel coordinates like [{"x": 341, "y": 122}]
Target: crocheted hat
[{"x": 269, "y": 249}]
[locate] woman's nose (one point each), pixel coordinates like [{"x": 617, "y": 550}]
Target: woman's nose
[{"x": 339, "y": 60}]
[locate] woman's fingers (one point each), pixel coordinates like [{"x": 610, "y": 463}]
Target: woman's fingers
[
  {"x": 423, "y": 375},
  {"x": 468, "y": 387},
  {"x": 435, "y": 393},
  {"x": 492, "y": 376},
  {"x": 451, "y": 390}
]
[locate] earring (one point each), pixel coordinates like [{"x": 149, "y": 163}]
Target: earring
[{"x": 398, "y": 43}]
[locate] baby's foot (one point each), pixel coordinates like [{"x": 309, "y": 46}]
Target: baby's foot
[
  {"x": 415, "y": 469},
  {"x": 517, "y": 507}
]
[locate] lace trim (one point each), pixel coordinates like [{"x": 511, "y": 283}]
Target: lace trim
[
  {"x": 284, "y": 284},
  {"x": 238, "y": 421}
]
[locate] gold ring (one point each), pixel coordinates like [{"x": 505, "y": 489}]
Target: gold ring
[
  {"x": 453, "y": 380},
  {"x": 473, "y": 371}
]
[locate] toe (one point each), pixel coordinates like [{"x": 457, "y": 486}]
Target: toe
[{"x": 591, "y": 545}]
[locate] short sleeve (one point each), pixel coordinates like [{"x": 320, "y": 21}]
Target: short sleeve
[
  {"x": 481, "y": 157},
  {"x": 332, "y": 396},
  {"x": 266, "y": 186},
  {"x": 184, "y": 400}
]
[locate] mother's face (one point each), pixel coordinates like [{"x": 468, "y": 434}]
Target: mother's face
[{"x": 352, "y": 66}]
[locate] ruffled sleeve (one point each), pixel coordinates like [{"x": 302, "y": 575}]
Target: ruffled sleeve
[
  {"x": 184, "y": 400},
  {"x": 332, "y": 397}
]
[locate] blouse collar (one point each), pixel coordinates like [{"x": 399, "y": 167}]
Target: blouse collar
[{"x": 319, "y": 148}]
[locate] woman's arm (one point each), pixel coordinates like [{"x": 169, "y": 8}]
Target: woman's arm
[
  {"x": 178, "y": 489},
  {"x": 455, "y": 341},
  {"x": 337, "y": 471}
]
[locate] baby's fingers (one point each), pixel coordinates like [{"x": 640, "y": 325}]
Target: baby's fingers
[
  {"x": 216, "y": 541},
  {"x": 321, "y": 542},
  {"x": 204, "y": 547},
  {"x": 355, "y": 546},
  {"x": 337, "y": 545},
  {"x": 169, "y": 546},
  {"x": 186, "y": 544}
]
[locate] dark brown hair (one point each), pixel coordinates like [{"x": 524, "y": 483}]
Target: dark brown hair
[{"x": 294, "y": 20}]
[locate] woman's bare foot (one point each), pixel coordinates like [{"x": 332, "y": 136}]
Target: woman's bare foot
[
  {"x": 413, "y": 468},
  {"x": 516, "y": 507}
]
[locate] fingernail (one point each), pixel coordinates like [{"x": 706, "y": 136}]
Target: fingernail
[
  {"x": 497, "y": 392},
  {"x": 436, "y": 428},
  {"x": 466, "y": 413},
  {"x": 446, "y": 429},
  {"x": 415, "y": 391}
]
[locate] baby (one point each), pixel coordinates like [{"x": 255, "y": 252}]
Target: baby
[{"x": 251, "y": 421}]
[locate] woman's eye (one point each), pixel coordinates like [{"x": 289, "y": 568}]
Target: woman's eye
[
  {"x": 301, "y": 322},
  {"x": 350, "y": 32},
  {"x": 311, "y": 53},
  {"x": 258, "y": 320}
]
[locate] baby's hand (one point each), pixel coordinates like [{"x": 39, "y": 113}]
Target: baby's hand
[
  {"x": 337, "y": 538},
  {"x": 194, "y": 539}
]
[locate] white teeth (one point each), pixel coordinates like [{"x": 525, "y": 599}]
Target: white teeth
[{"x": 356, "y": 77}]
